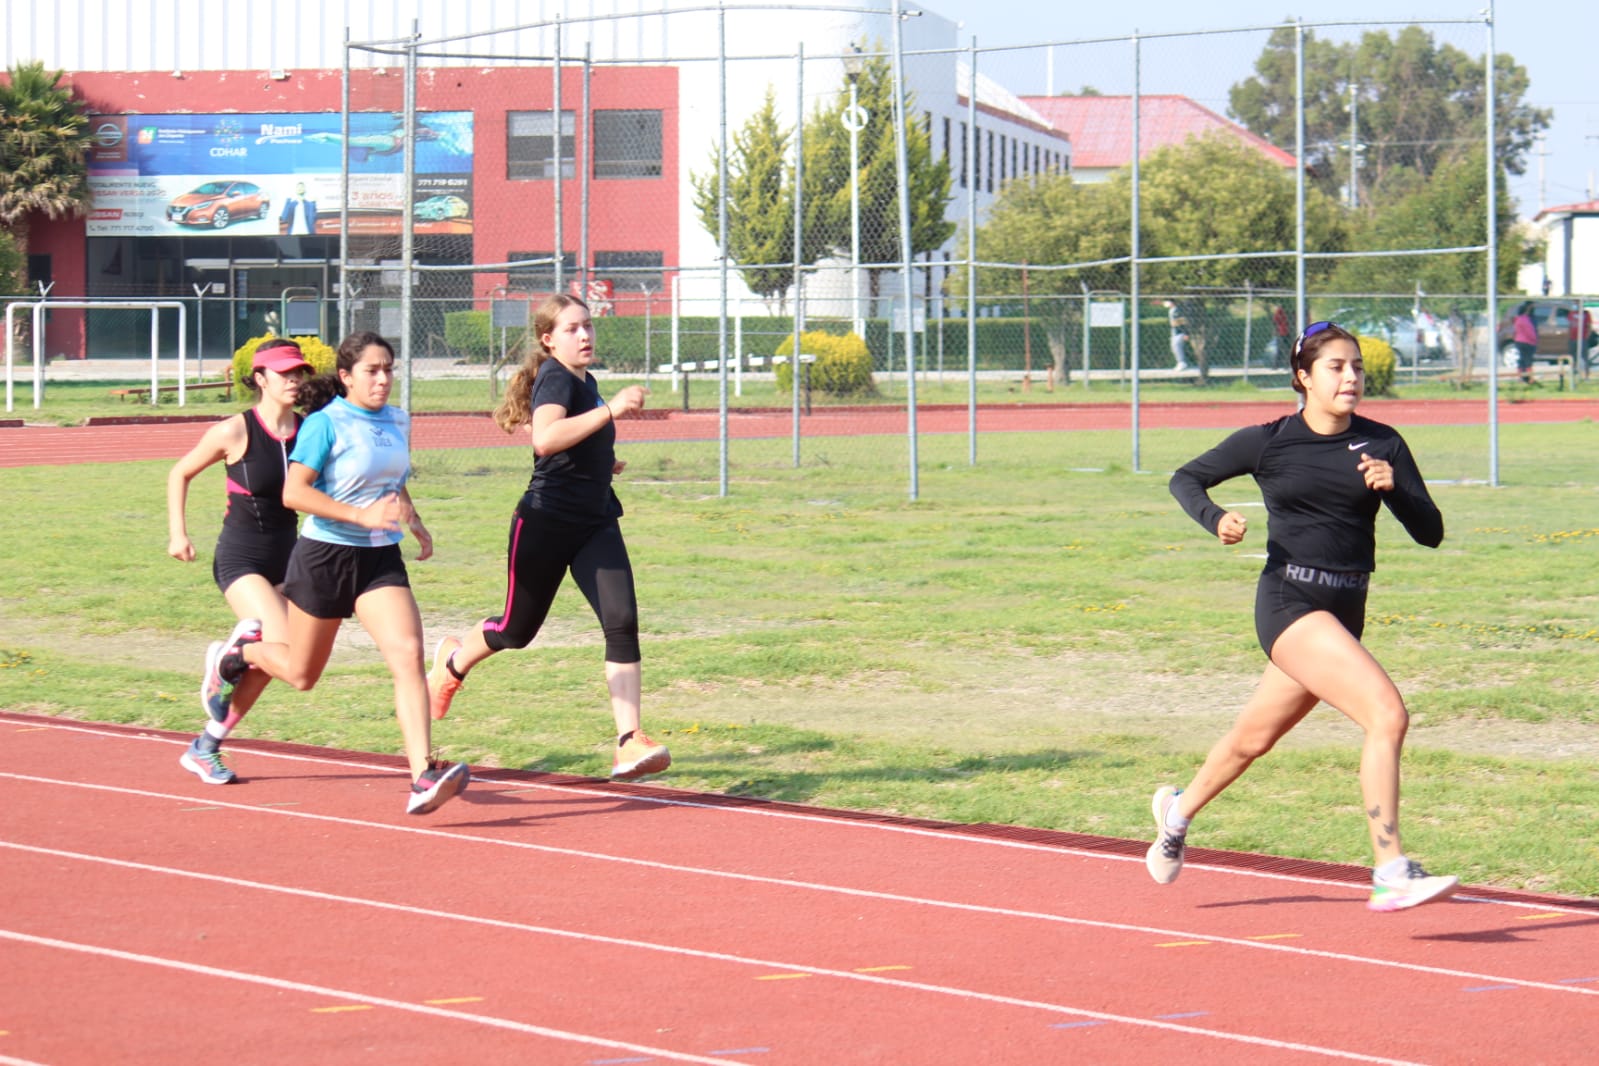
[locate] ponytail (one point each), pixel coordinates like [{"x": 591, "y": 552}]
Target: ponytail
[{"x": 516, "y": 409}]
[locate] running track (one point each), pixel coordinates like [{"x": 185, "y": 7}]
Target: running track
[
  {"x": 148, "y": 439},
  {"x": 299, "y": 916}
]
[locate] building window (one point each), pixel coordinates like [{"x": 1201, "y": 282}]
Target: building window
[
  {"x": 627, "y": 144},
  {"x": 529, "y": 147},
  {"x": 964, "y": 155},
  {"x": 539, "y": 274},
  {"x": 1002, "y": 159},
  {"x": 990, "y": 161},
  {"x": 946, "y": 138},
  {"x": 630, "y": 273}
]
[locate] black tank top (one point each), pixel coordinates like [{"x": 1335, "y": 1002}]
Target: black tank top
[{"x": 255, "y": 482}]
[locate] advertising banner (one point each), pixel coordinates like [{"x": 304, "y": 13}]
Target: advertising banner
[{"x": 276, "y": 174}]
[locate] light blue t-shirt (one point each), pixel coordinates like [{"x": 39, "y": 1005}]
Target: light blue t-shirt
[{"x": 359, "y": 456}]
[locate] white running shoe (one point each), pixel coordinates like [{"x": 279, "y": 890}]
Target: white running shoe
[
  {"x": 1410, "y": 889},
  {"x": 1165, "y": 856}
]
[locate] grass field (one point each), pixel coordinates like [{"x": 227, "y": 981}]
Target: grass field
[{"x": 1026, "y": 644}]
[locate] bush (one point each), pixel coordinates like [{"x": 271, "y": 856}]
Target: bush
[
  {"x": 843, "y": 366},
  {"x": 318, "y": 354},
  {"x": 1378, "y": 355},
  {"x": 472, "y": 334}
]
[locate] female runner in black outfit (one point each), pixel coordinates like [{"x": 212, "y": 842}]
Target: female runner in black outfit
[
  {"x": 258, "y": 532},
  {"x": 1322, "y": 472},
  {"x": 566, "y": 520}
]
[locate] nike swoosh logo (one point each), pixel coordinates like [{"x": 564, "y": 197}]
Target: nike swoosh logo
[{"x": 1357, "y": 447}]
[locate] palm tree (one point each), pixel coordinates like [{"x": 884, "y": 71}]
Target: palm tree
[{"x": 44, "y": 150}]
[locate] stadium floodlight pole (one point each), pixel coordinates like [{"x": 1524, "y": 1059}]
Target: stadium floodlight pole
[
  {"x": 721, "y": 240},
  {"x": 971, "y": 258},
  {"x": 587, "y": 150},
  {"x": 346, "y": 310},
  {"x": 799, "y": 242},
  {"x": 408, "y": 219},
  {"x": 1299, "y": 175},
  {"x": 555, "y": 136},
  {"x": 854, "y": 119},
  {"x": 901, "y": 166},
  {"x": 1492, "y": 231},
  {"x": 1136, "y": 248}
]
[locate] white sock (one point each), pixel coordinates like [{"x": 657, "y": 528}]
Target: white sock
[
  {"x": 1392, "y": 870},
  {"x": 218, "y": 730},
  {"x": 1174, "y": 820}
]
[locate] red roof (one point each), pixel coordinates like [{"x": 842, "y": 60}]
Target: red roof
[
  {"x": 1588, "y": 207},
  {"x": 1101, "y": 127}
]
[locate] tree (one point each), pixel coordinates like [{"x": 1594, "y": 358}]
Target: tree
[
  {"x": 44, "y": 150},
  {"x": 13, "y": 275},
  {"x": 1211, "y": 195},
  {"x": 1417, "y": 105},
  {"x": 827, "y": 174},
  {"x": 760, "y": 203}
]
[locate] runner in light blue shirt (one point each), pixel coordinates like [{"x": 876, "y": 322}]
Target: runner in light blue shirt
[{"x": 360, "y": 456}]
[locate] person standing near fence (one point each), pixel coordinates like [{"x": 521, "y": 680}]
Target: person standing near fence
[
  {"x": 1524, "y": 334},
  {"x": 348, "y": 472},
  {"x": 567, "y": 520},
  {"x": 1323, "y": 473},
  {"x": 1179, "y": 334},
  {"x": 258, "y": 532}
]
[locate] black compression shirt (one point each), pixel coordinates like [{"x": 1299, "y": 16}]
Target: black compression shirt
[
  {"x": 1319, "y": 509},
  {"x": 255, "y": 482}
]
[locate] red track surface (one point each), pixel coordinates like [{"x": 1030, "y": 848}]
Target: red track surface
[
  {"x": 300, "y": 916},
  {"x": 52, "y": 445}
]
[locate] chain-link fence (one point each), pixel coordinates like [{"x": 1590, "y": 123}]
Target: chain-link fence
[{"x": 723, "y": 203}]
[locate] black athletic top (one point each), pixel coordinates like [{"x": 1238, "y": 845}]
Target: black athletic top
[
  {"x": 255, "y": 482},
  {"x": 574, "y": 484},
  {"x": 1320, "y": 511}
]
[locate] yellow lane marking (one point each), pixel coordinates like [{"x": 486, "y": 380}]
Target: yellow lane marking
[
  {"x": 1537, "y": 917},
  {"x": 346, "y": 1009},
  {"x": 1184, "y": 944},
  {"x": 784, "y": 977},
  {"x": 879, "y": 969},
  {"x": 453, "y": 999},
  {"x": 1277, "y": 936}
]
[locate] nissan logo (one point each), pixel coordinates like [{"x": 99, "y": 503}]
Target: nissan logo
[{"x": 109, "y": 134}]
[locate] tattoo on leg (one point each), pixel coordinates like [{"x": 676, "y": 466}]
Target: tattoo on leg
[
  {"x": 1384, "y": 843},
  {"x": 1375, "y": 812},
  {"x": 1388, "y": 827}
]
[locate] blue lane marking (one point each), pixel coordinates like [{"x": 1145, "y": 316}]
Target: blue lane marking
[
  {"x": 1076, "y": 1025},
  {"x": 617, "y": 1062},
  {"x": 1577, "y": 981},
  {"x": 1185, "y": 1014},
  {"x": 1492, "y": 988},
  {"x": 741, "y": 1051}
]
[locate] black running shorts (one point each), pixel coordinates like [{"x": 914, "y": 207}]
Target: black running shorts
[
  {"x": 1287, "y": 592},
  {"x": 325, "y": 579},
  {"x": 243, "y": 552}
]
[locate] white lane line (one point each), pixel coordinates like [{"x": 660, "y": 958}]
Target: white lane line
[
  {"x": 360, "y": 997},
  {"x": 489, "y": 777},
  {"x": 643, "y": 945},
  {"x": 865, "y": 894}
]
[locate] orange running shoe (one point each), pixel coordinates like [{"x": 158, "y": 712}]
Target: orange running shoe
[
  {"x": 639, "y": 755},
  {"x": 442, "y": 685}
]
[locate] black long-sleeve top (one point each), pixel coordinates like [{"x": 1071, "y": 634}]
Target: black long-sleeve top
[{"x": 1320, "y": 512}]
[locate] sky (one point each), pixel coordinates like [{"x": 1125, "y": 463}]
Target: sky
[{"x": 1554, "y": 40}]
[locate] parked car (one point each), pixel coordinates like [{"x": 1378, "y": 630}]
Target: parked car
[
  {"x": 442, "y": 208},
  {"x": 1558, "y": 325},
  {"x": 217, "y": 203}
]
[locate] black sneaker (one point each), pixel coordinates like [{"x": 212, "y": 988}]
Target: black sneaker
[{"x": 439, "y": 784}]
